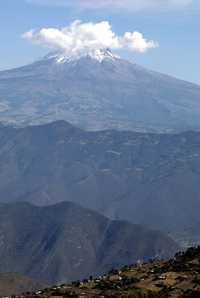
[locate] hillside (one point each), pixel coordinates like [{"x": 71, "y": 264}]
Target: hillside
[
  {"x": 67, "y": 242},
  {"x": 176, "y": 278},
  {"x": 109, "y": 94},
  {"x": 147, "y": 179},
  {"x": 13, "y": 283}
]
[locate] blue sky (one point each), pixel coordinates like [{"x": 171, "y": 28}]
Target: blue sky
[{"x": 175, "y": 27}]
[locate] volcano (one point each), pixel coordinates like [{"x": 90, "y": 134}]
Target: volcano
[{"x": 96, "y": 92}]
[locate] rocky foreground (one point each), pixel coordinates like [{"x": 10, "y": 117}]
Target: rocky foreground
[{"x": 178, "y": 278}]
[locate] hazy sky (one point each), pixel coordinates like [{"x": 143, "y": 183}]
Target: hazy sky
[{"x": 173, "y": 24}]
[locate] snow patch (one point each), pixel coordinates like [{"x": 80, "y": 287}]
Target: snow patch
[{"x": 98, "y": 55}]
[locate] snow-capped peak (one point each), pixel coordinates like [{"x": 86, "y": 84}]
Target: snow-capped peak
[{"x": 99, "y": 55}]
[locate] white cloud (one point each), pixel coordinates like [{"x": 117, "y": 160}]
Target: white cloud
[
  {"x": 133, "y": 5},
  {"x": 84, "y": 38},
  {"x": 135, "y": 41}
]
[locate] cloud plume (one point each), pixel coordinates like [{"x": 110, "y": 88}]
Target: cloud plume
[
  {"x": 84, "y": 38},
  {"x": 133, "y": 5}
]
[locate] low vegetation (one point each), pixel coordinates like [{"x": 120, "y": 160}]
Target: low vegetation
[{"x": 178, "y": 277}]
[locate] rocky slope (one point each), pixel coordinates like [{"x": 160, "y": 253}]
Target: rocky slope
[
  {"x": 148, "y": 179},
  {"x": 176, "y": 278},
  {"x": 98, "y": 94},
  {"x": 67, "y": 242}
]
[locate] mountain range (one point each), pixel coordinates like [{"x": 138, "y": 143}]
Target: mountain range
[
  {"x": 65, "y": 242},
  {"x": 99, "y": 160},
  {"x": 148, "y": 179},
  {"x": 97, "y": 92}
]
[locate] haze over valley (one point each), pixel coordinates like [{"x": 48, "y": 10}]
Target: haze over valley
[{"x": 99, "y": 149}]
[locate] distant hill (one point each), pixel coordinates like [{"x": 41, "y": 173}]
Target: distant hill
[
  {"x": 148, "y": 179},
  {"x": 13, "y": 283},
  {"x": 108, "y": 94},
  {"x": 176, "y": 278},
  {"x": 66, "y": 242}
]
